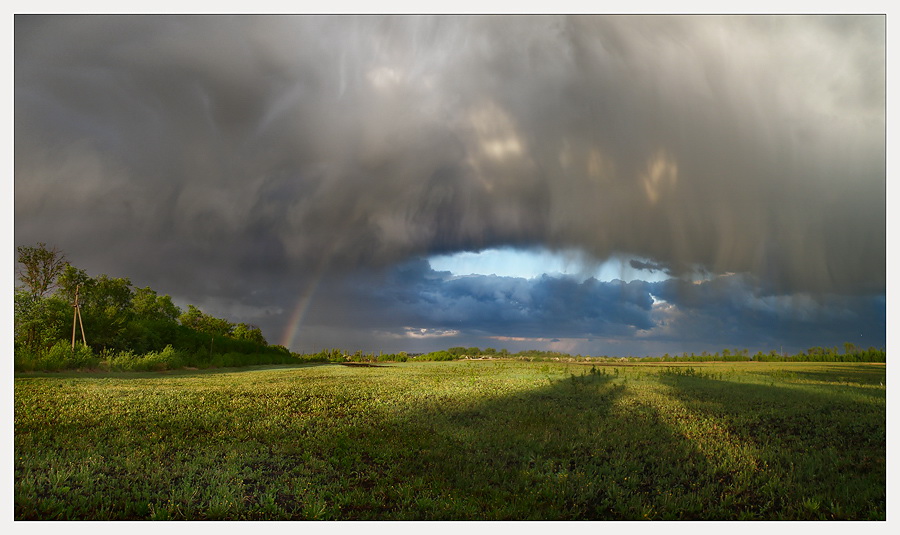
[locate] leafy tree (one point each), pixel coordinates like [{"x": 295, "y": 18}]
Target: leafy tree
[
  {"x": 192, "y": 318},
  {"x": 154, "y": 321},
  {"x": 106, "y": 310},
  {"x": 242, "y": 331},
  {"x": 69, "y": 280},
  {"x": 109, "y": 293},
  {"x": 40, "y": 267},
  {"x": 40, "y": 321},
  {"x": 200, "y": 321},
  {"x": 148, "y": 305}
]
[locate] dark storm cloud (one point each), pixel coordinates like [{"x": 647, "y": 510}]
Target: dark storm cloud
[
  {"x": 215, "y": 157},
  {"x": 735, "y": 310},
  {"x": 557, "y": 306},
  {"x": 727, "y": 311},
  {"x": 650, "y": 266},
  {"x": 414, "y": 295}
]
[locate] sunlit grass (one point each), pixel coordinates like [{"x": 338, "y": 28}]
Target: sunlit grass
[{"x": 455, "y": 440}]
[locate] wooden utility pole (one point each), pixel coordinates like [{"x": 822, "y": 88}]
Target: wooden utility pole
[{"x": 76, "y": 317}]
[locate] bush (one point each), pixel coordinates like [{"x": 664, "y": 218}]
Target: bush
[
  {"x": 60, "y": 356},
  {"x": 315, "y": 357},
  {"x": 392, "y": 357},
  {"x": 23, "y": 358},
  {"x": 225, "y": 360},
  {"x": 167, "y": 359},
  {"x": 437, "y": 356}
]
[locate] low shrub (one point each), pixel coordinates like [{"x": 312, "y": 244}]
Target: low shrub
[
  {"x": 60, "y": 356},
  {"x": 167, "y": 359},
  {"x": 437, "y": 356}
]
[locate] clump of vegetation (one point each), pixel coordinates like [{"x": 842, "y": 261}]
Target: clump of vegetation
[
  {"x": 60, "y": 356},
  {"x": 126, "y": 328},
  {"x": 167, "y": 359}
]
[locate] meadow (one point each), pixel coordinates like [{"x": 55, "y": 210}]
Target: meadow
[{"x": 459, "y": 440}]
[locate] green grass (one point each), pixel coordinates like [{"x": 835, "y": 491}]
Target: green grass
[{"x": 455, "y": 440}]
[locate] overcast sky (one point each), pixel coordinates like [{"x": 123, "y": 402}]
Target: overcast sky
[{"x": 662, "y": 184}]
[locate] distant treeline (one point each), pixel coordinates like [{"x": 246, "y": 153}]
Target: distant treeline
[
  {"x": 850, "y": 353},
  {"x": 119, "y": 327}
]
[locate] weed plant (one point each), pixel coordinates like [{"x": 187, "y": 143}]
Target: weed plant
[{"x": 454, "y": 441}]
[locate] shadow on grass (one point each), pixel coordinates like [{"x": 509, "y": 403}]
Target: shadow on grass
[
  {"x": 565, "y": 451},
  {"x": 820, "y": 453},
  {"x": 590, "y": 448},
  {"x": 833, "y": 374},
  {"x": 595, "y": 447}
]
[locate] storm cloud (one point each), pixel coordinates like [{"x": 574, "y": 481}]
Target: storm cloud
[
  {"x": 246, "y": 162},
  {"x": 417, "y": 304}
]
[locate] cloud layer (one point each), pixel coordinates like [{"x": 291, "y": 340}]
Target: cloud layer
[
  {"x": 248, "y": 158},
  {"x": 592, "y": 316}
]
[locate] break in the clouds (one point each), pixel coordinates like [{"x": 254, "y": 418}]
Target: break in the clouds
[{"x": 290, "y": 169}]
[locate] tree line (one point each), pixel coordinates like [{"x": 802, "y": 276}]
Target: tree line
[
  {"x": 850, "y": 353},
  {"x": 121, "y": 322}
]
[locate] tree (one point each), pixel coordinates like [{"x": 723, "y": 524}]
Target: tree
[
  {"x": 199, "y": 321},
  {"x": 40, "y": 319},
  {"x": 69, "y": 279},
  {"x": 40, "y": 267},
  {"x": 154, "y": 321},
  {"x": 40, "y": 322},
  {"x": 106, "y": 310},
  {"x": 148, "y": 305},
  {"x": 242, "y": 331},
  {"x": 113, "y": 294}
]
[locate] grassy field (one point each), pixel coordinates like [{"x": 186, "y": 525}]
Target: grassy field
[{"x": 455, "y": 440}]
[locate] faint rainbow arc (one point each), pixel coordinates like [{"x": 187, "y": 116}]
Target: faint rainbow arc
[{"x": 299, "y": 313}]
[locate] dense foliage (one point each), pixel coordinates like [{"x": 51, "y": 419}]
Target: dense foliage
[
  {"x": 126, "y": 328},
  {"x": 462, "y": 440}
]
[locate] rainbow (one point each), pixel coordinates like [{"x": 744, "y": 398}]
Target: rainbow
[{"x": 295, "y": 320}]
